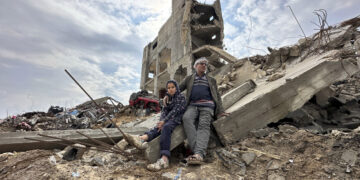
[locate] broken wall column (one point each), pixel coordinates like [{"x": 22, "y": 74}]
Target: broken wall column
[
  {"x": 156, "y": 78},
  {"x": 145, "y": 67}
]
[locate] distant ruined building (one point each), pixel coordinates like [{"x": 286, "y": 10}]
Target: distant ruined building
[{"x": 193, "y": 30}]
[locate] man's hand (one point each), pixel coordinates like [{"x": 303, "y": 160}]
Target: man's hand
[
  {"x": 165, "y": 101},
  {"x": 223, "y": 114},
  {"x": 160, "y": 125}
]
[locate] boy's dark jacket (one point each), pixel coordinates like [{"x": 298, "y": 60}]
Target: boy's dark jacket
[{"x": 176, "y": 106}]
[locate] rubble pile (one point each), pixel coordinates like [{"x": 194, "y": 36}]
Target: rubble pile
[
  {"x": 281, "y": 152},
  {"x": 291, "y": 153},
  {"x": 337, "y": 107},
  {"x": 270, "y": 67},
  {"x": 83, "y": 116}
]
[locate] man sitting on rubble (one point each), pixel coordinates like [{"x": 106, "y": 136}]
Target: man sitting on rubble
[{"x": 204, "y": 104}]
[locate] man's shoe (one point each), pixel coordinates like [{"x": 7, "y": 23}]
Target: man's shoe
[{"x": 158, "y": 165}]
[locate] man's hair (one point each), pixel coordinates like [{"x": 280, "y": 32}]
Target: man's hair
[{"x": 202, "y": 59}]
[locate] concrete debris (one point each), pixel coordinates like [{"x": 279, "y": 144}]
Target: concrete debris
[
  {"x": 350, "y": 157},
  {"x": 294, "y": 113},
  {"x": 248, "y": 157},
  {"x": 262, "y": 132},
  {"x": 275, "y": 177},
  {"x": 85, "y": 115},
  {"x": 276, "y": 76},
  {"x": 73, "y": 152}
]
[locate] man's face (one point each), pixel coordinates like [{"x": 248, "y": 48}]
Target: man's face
[{"x": 201, "y": 67}]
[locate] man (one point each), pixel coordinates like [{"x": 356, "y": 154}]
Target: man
[{"x": 204, "y": 103}]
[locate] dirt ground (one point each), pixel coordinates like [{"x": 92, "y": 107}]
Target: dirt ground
[{"x": 287, "y": 153}]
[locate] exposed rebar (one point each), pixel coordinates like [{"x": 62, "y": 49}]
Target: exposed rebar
[{"x": 297, "y": 20}]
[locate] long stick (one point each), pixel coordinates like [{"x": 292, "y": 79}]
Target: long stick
[
  {"x": 67, "y": 72},
  {"x": 297, "y": 20},
  {"x": 110, "y": 138},
  {"x": 64, "y": 144},
  {"x": 117, "y": 127},
  {"x": 102, "y": 143},
  {"x": 74, "y": 142}
]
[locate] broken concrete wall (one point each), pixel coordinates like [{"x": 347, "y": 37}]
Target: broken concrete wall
[
  {"x": 170, "y": 56},
  {"x": 272, "y": 101}
]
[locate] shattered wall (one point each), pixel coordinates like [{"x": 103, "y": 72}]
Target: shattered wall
[{"x": 193, "y": 30}]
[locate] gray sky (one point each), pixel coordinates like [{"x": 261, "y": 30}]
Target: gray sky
[{"x": 101, "y": 43}]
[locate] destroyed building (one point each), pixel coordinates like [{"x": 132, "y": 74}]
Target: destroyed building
[
  {"x": 294, "y": 113},
  {"x": 193, "y": 30}
]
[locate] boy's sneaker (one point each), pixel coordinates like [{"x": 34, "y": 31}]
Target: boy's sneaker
[
  {"x": 136, "y": 141},
  {"x": 158, "y": 165},
  {"x": 122, "y": 144}
]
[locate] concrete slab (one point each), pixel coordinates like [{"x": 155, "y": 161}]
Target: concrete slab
[
  {"x": 14, "y": 141},
  {"x": 236, "y": 94},
  {"x": 152, "y": 153},
  {"x": 272, "y": 101}
]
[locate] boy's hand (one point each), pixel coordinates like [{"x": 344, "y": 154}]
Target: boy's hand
[
  {"x": 165, "y": 100},
  {"x": 160, "y": 125}
]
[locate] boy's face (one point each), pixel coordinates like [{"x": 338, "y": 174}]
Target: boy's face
[{"x": 171, "y": 88}]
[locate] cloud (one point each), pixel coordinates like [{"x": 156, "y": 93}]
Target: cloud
[
  {"x": 270, "y": 23},
  {"x": 101, "y": 43}
]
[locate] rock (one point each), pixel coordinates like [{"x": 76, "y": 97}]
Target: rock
[
  {"x": 239, "y": 63},
  {"x": 33, "y": 121},
  {"x": 273, "y": 165},
  {"x": 328, "y": 169},
  {"x": 276, "y": 76},
  {"x": 260, "y": 73},
  {"x": 191, "y": 176},
  {"x": 346, "y": 97},
  {"x": 350, "y": 157},
  {"x": 97, "y": 161},
  {"x": 248, "y": 157},
  {"x": 259, "y": 133},
  {"x": 122, "y": 144},
  {"x": 270, "y": 71},
  {"x": 287, "y": 129},
  {"x": 132, "y": 150},
  {"x": 168, "y": 175},
  {"x": 233, "y": 76},
  {"x": 140, "y": 163},
  {"x": 323, "y": 96},
  {"x": 357, "y": 130},
  {"x": 305, "y": 42},
  {"x": 275, "y": 177},
  {"x": 294, "y": 51},
  {"x": 73, "y": 152},
  {"x": 52, "y": 160},
  {"x": 225, "y": 79}
]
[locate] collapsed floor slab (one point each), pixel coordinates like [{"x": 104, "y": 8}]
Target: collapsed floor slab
[
  {"x": 272, "y": 101},
  {"x": 14, "y": 141}
]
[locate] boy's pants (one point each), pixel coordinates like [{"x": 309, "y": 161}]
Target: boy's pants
[{"x": 165, "y": 136}]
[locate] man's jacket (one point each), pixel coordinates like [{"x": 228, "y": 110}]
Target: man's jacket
[{"x": 187, "y": 84}]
